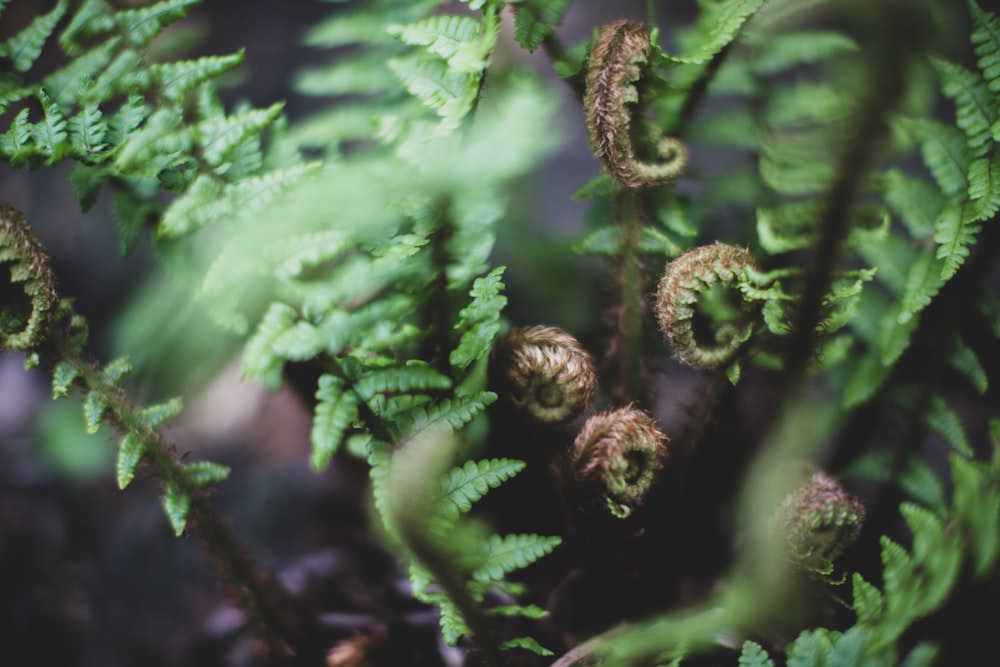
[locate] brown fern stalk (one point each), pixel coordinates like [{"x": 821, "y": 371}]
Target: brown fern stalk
[{"x": 51, "y": 332}]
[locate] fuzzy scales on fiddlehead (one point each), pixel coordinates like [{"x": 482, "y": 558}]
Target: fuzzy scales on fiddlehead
[
  {"x": 817, "y": 521},
  {"x": 618, "y": 455},
  {"x": 684, "y": 280},
  {"x": 25, "y": 312},
  {"x": 614, "y": 66},
  {"x": 548, "y": 373}
]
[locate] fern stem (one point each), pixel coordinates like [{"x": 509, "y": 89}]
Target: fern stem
[
  {"x": 627, "y": 345},
  {"x": 265, "y": 604},
  {"x": 885, "y": 91}
]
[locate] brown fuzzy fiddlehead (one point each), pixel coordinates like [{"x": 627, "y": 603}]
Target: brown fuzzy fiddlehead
[
  {"x": 547, "y": 373},
  {"x": 684, "y": 280},
  {"x": 617, "y": 455},
  {"x": 29, "y": 300},
  {"x": 817, "y": 521},
  {"x": 614, "y": 66}
]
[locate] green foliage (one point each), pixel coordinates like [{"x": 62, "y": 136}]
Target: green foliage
[{"x": 372, "y": 265}]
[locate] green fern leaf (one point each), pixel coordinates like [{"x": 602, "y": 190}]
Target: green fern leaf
[
  {"x": 466, "y": 484},
  {"x": 130, "y": 453},
  {"x": 986, "y": 41},
  {"x": 205, "y": 201},
  {"x": 176, "y": 505},
  {"x": 536, "y": 20},
  {"x": 450, "y": 96},
  {"x": 219, "y": 136},
  {"x": 966, "y": 362},
  {"x": 455, "y": 412},
  {"x": 914, "y": 200},
  {"x": 780, "y": 52},
  {"x": 976, "y": 503},
  {"x": 65, "y": 83},
  {"x": 156, "y": 415},
  {"x": 92, "y": 18},
  {"x": 512, "y": 552},
  {"x": 443, "y": 35},
  {"x": 922, "y": 655},
  {"x": 203, "y": 473},
  {"x": 161, "y": 142},
  {"x": 365, "y": 74},
  {"x": 50, "y": 133},
  {"x": 945, "y": 422},
  {"x": 126, "y": 120},
  {"x": 336, "y": 410},
  {"x": 24, "y": 48},
  {"x": 975, "y": 104},
  {"x": 937, "y": 553},
  {"x": 525, "y": 611},
  {"x": 945, "y": 152},
  {"x": 259, "y": 360},
  {"x": 93, "y": 411},
  {"x": 479, "y": 322},
  {"x": 811, "y": 648},
  {"x": 62, "y": 378},
  {"x": 719, "y": 25},
  {"x": 16, "y": 143},
  {"x": 87, "y": 130},
  {"x": 753, "y": 655},
  {"x": 923, "y": 282},
  {"x": 126, "y": 75},
  {"x": 984, "y": 188},
  {"x": 178, "y": 78},
  {"x": 143, "y": 24},
  {"x": 414, "y": 376},
  {"x": 117, "y": 369},
  {"x": 869, "y": 603},
  {"x": 526, "y": 643},
  {"x": 453, "y": 626}
]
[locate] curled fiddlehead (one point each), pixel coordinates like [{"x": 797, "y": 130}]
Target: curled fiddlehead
[
  {"x": 617, "y": 455},
  {"x": 28, "y": 300},
  {"x": 614, "y": 65},
  {"x": 684, "y": 280},
  {"x": 547, "y": 373},
  {"x": 817, "y": 521}
]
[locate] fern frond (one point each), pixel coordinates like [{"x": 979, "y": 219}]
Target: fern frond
[
  {"x": 50, "y": 135},
  {"x": 527, "y": 643},
  {"x": 449, "y": 95},
  {"x": 365, "y": 74},
  {"x": 443, "y": 35},
  {"x": 984, "y": 188},
  {"x": 945, "y": 152},
  {"x": 130, "y": 453},
  {"x": 776, "y": 53},
  {"x": 141, "y": 25},
  {"x": 178, "y": 78},
  {"x": 218, "y": 136},
  {"x": 414, "y": 376},
  {"x": 203, "y": 473},
  {"x": 976, "y": 504},
  {"x": 536, "y": 20},
  {"x": 753, "y": 655},
  {"x": 479, "y": 322},
  {"x": 87, "y": 130},
  {"x": 975, "y": 104},
  {"x": 64, "y": 83},
  {"x": 466, "y": 484},
  {"x": 986, "y": 42},
  {"x": 955, "y": 231},
  {"x": 719, "y": 25},
  {"x": 24, "y": 48},
  {"x": 512, "y": 552},
  {"x": 914, "y": 200},
  {"x": 942, "y": 419},
  {"x": 336, "y": 409},
  {"x": 176, "y": 505},
  {"x": 923, "y": 282}
]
